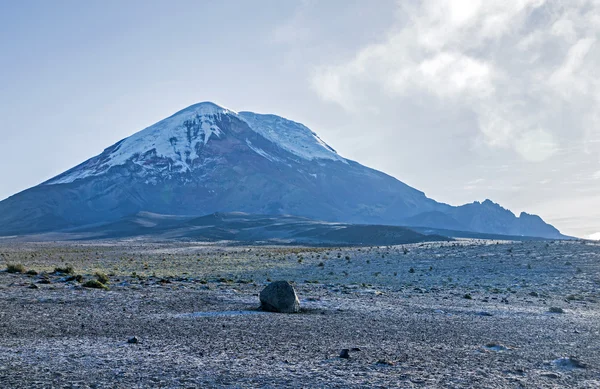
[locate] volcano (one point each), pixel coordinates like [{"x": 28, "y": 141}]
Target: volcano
[{"x": 206, "y": 159}]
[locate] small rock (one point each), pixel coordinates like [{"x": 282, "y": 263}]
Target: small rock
[
  {"x": 497, "y": 347},
  {"x": 551, "y": 375},
  {"x": 33, "y": 286},
  {"x": 279, "y": 296},
  {"x": 345, "y": 354},
  {"x": 484, "y": 313},
  {"x": 354, "y": 349},
  {"x": 556, "y": 310},
  {"x": 133, "y": 340},
  {"x": 569, "y": 363},
  {"x": 385, "y": 362}
]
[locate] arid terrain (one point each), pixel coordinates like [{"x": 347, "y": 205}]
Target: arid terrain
[{"x": 464, "y": 314}]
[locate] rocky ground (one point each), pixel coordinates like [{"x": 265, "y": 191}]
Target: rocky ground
[{"x": 463, "y": 314}]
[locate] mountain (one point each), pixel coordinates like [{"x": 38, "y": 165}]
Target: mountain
[{"x": 207, "y": 159}]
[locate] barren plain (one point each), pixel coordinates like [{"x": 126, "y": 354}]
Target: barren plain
[{"x": 464, "y": 314}]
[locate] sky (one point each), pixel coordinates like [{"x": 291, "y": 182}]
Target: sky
[{"x": 462, "y": 99}]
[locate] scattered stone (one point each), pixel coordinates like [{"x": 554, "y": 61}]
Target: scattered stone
[
  {"x": 385, "y": 362},
  {"x": 468, "y": 296},
  {"x": 569, "y": 363},
  {"x": 497, "y": 347},
  {"x": 551, "y": 375},
  {"x": 534, "y": 294},
  {"x": 354, "y": 349},
  {"x": 484, "y": 313},
  {"x": 345, "y": 354},
  {"x": 556, "y": 310},
  {"x": 133, "y": 340},
  {"x": 33, "y": 286},
  {"x": 279, "y": 296}
]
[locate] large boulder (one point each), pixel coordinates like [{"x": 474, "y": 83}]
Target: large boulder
[{"x": 279, "y": 296}]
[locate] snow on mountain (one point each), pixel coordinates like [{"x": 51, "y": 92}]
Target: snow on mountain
[
  {"x": 291, "y": 136},
  {"x": 179, "y": 139}
]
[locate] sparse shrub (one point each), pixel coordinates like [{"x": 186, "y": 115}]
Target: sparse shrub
[
  {"x": 64, "y": 270},
  {"x": 321, "y": 264},
  {"x": 78, "y": 278},
  {"x": 15, "y": 268},
  {"x": 103, "y": 278},
  {"x": 468, "y": 296},
  {"x": 411, "y": 270},
  {"x": 32, "y": 273},
  {"x": 95, "y": 284}
]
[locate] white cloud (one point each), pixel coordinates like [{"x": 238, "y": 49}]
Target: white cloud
[
  {"x": 595, "y": 236},
  {"x": 525, "y": 69}
]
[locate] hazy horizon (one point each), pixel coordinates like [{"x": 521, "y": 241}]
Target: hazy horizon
[{"x": 444, "y": 96}]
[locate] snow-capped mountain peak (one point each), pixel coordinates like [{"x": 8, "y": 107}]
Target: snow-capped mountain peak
[
  {"x": 176, "y": 143},
  {"x": 207, "y": 159}
]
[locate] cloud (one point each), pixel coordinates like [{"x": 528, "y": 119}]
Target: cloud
[
  {"x": 526, "y": 70},
  {"x": 595, "y": 236}
]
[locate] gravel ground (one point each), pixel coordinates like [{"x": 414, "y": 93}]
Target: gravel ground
[{"x": 453, "y": 315}]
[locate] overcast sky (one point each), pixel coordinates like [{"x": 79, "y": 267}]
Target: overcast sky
[{"x": 462, "y": 99}]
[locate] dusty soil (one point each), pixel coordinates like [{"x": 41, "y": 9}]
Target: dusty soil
[{"x": 453, "y": 315}]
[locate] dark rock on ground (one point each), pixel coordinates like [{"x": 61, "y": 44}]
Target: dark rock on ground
[{"x": 279, "y": 296}]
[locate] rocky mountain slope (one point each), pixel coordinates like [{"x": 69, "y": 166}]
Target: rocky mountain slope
[{"x": 207, "y": 159}]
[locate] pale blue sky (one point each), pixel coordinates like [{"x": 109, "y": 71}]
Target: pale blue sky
[{"x": 465, "y": 100}]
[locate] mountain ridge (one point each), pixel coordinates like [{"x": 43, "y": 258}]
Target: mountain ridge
[{"x": 206, "y": 158}]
